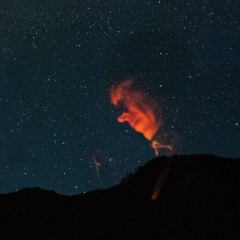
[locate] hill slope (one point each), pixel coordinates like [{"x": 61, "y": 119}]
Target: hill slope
[{"x": 196, "y": 197}]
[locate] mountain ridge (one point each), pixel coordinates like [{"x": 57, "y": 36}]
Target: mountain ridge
[{"x": 199, "y": 198}]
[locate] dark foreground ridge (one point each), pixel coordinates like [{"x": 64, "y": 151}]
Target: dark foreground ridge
[{"x": 199, "y": 199}]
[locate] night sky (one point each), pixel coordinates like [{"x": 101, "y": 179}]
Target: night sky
[{"x": 56, "y": 62}]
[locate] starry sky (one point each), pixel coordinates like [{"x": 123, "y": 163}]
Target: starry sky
[{"x": 57, "y": 59}]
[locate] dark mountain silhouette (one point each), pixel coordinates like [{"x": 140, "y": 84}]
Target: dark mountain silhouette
[{"x": 198, "y": 198}]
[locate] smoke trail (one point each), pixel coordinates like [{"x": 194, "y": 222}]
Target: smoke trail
[{"x": 97, "y": 164}]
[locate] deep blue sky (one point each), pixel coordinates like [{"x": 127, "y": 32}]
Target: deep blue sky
[{"x": 55, "y": 115}]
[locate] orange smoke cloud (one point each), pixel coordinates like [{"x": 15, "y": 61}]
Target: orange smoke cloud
[
  {"x": 140, "y": 110},
  {"x": 136, "y": 108}
]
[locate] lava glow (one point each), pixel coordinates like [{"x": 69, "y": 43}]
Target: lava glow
[
  {"x": 156, "y": 145},
  {"x": 161, "y": 181}
]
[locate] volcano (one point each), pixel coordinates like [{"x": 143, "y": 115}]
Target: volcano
[{"x": 198, "y": 198}]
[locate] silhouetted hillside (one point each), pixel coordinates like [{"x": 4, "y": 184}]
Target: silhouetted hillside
[{"x": 197, "y": 197}]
